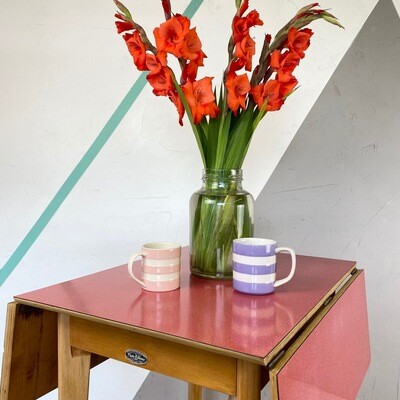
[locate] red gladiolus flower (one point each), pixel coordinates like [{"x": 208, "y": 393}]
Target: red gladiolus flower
[
  {"x": 123, "y": 25},
  {"x": 253, "y": 19},
  {"x": 189, "y": 72},
  {"x": 200, "y": 58},
  {"x": 243, "y": 7},
  {"x": 238, "y": 86},
  {"x": 268, "y": 93},
  {"x": 200, "y": 98},
  {"x": 161, "y": 82},
  {"x": 191, "y": 45},
  {"x": 137, "y": 49},
  {"x": 174, "y": 97},
  {"x": 155, "y": 63},
  {"x": 160, "y": 79},
  {"x": 190, "y": 69},
  {"x": 239, "y": 28},
  {"x": 236, "y": 65},
  {"x": 284, "y": 64},
  {"x": 299, "y": 41},
  {"x": 241, "y": 25},
  {"x": 286, "y": 88},
  {"x": 245, "y": 51},
  {"x": 171, "y": 34}
]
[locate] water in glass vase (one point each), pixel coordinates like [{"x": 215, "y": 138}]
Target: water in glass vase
[{"x": 219, "y": 212}]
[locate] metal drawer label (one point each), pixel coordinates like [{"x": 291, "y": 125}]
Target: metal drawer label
[{"x": 136, "y": 357}]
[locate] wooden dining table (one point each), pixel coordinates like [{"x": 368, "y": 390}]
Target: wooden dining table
[{"x": 309, "y": 338}]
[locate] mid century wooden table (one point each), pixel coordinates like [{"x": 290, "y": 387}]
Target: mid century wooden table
[{"x": 312, "y": 330}]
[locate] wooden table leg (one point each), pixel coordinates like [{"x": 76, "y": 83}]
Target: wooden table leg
[
  {"x": 248, "y": 381},
  {"x": 194, "y": 392},
  {"x": 73, "y": 365},
  {"x": 30, "y": 353}
]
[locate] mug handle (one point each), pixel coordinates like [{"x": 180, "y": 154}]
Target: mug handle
[
  {"x": 290, "y": 276},
  {"x": 130, "y": 265}
]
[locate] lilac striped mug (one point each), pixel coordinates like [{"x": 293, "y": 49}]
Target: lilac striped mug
[{"x": 254, "y": 265}]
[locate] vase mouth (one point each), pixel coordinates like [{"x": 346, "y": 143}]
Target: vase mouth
[
  {"x": 222, "y": 173},
  {"x": 222, "y": 170}
]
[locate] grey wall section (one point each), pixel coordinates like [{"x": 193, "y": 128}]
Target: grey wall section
[{"x": 336, "y": 191}]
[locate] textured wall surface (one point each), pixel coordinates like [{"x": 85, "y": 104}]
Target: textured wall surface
[
  {"x": 336, "y": 191},
  {"x": 64, "y": 72}
]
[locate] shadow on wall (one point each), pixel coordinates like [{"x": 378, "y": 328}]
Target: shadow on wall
[{"x": 336, "y": 191}]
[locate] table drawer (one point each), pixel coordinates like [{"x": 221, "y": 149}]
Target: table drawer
[{"x": 164, "y": 356}]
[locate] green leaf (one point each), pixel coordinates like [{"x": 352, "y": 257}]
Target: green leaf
[
  {"x": 203, "y": 130},
  {"x": 260, "y": 114},
  {"x": 240, "y": 140},
  {"x": 223, "y": 135},
  {"x": 223, "y": 129},
  {"x": 212, "y": 141}
]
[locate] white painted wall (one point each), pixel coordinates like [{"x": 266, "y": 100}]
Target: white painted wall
[
  {"x": 64, "y": 71},
  {"x": 397, "y": 5}
]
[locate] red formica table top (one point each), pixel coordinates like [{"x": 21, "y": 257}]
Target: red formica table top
[{"x": 202, "y": 311}]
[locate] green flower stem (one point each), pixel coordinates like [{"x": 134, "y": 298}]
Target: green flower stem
[
  {"x": 220, "y": 215},
  {"x": 239, "y": 140},
  {"x": 223, "y": 136}
]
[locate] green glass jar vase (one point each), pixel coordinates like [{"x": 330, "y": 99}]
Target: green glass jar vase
[{"x": 219, "y": 212}]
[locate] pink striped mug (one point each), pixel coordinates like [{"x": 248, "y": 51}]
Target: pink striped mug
[{"x": 161, "y": 264}]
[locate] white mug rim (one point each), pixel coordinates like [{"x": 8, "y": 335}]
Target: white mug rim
[
  {"x": 255, "y": 241},
  {"x": 161, "y": 246}
]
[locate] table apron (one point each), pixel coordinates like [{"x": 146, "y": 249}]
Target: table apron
[{"x": 181, "y": 361}]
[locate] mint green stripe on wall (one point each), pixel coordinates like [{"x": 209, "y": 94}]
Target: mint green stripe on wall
[{"x": 82, "y": 166}]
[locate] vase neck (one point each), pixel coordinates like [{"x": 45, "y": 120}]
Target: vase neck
[{"x": 222, "y": 178}]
